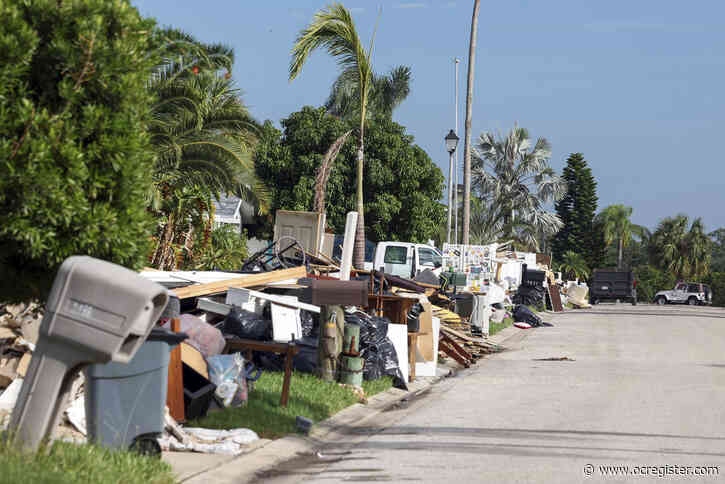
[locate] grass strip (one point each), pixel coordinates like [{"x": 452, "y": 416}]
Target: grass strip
[
  {"x": 309, "y": 397},
  {"x": 63, "y": 462},
  {"x": 494, "y": 328}
]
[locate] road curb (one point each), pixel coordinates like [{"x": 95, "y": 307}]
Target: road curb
[{"x": 269, "y": 454}]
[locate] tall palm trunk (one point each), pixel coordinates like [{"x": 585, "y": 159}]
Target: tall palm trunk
[
  {"x": 358, "y": 256},
  {"x": 619, "y": 259},
  {"x": 469, "y": 114}
]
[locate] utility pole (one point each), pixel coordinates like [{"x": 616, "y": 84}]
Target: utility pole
[{"x": 455, "y": 186}]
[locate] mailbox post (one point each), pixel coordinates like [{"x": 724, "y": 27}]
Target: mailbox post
[{"x": 96, "y": 312}]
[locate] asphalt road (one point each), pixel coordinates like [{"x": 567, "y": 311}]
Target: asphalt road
[{"x": 644, "y": 387}]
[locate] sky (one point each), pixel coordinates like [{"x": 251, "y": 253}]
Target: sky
[{"x": 636, "y": 86}]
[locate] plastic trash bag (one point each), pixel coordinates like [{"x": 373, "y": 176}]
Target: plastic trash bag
[
  {"x": 202, "y": 335},
  {"x": 373, "y": 363},
  {"x": 390, "y": 366},
  {"x": 310, "y": 324},
  {"x": 228, "y": 373},
  {"x": 246, "y": 324},
  {"x": 525, "y": 315},
  {"x": 306, "y": 360},
  {"x": 413, "y": 318}
]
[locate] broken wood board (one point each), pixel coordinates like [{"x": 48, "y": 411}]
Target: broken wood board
[
  {"x": 555, "y": 297},
  {"x": 465, "y": 337},
  {"x": 247, "y": 280},
  {"x": 22, "y": 368},
  {"x": 193, "y": 358}
]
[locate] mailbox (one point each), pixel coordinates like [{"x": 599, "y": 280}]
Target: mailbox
[{"x": 96, "y": 312}]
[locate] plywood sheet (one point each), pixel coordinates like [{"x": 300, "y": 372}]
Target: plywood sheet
[{"x": 425, "y": 340}]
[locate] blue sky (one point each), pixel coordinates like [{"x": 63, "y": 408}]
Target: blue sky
[{"x": 637, "y": 86}]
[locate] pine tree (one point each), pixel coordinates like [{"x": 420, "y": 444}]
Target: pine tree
[
  {"x": 576, "y": 210},
  {"x": 75, "y": 155}
]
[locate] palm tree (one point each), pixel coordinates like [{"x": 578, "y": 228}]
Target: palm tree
[
  {"x": 685, "y": 252},
  {"x": 514, "y": 182},
  {"x": 617, "y": 226},
  {"x": 573, "y": 264},
  {"x": 334, "y": 29},
  {"x": 489, "y": 224},
  {"x": 202, "y": 136},
  {"x": 469, "y": 114},
  {"x": 386, "y": 93}
]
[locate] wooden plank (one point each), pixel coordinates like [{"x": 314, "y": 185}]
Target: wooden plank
[
  {"x": 412, "y": 345},
  {"x": 555, "y": 296},
  {"x": 175, "y": 387},
  {"x": 248, "y": 280},
  {"x": 284, "y": 398},
  {"x": 463, "y": 336}
]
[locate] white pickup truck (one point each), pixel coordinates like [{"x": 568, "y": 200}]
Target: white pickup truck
[{"x": 404, "y": 259}]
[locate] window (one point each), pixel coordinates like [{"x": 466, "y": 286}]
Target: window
[
  {"x": 428, "y": 257},
  {"x": 681, "y": 287},
  {"x": 693, "y": 288},
  {"x": 396, "y": 255}
]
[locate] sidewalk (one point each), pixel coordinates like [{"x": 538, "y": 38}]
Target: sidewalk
[{"x": 195, "y": 468}]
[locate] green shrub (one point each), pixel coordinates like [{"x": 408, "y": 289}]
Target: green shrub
[
  {"x": 650, "y": 281},
  {"x": 225, "y": 250},
  {"x": 75, "y": 157},
  {"x": 716, "y": 281}
]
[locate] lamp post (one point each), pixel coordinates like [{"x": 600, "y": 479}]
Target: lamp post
[{"x": 451, "y": 143}]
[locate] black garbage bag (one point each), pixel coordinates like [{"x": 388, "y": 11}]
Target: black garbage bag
[
  {"x": 373, "y": 363},
  {"x": 529, "y": 295},
  {"x": 413, "y": 318},
  {"x": 389, "y": 360},
  {"x": 268, "y": 361},
  {"x": 246, "y": 324},
  {"x": 310, "y": 324},
  {"x": 306, "y": 360},
  {"x": 372, "y": 329},
  {"x": 524, "y": 314}
]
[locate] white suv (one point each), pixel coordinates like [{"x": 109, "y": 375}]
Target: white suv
[{"x": 691, "y": 293}]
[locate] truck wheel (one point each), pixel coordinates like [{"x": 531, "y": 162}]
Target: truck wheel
[
  {"x": 661, "y": 300},
  {"x": 692, "y": 301}
]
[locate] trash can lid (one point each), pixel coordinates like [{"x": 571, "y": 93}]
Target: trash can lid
[{"x": 163, "y": 334}]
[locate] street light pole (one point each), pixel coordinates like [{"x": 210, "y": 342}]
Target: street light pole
[
  {"x": 451, "y": 142},
  {"x": 455, "y": 192}
]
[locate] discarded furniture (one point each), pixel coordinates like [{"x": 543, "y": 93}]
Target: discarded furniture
[
  {"x": 246, "y": 346},
  {"x": 395, "y": 308}
]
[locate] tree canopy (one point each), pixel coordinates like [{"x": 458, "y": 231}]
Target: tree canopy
[
  {"x": 577, "y": 210},
  {"x": 513, "y": 181},
  {"x": 680, "y": 247},
  {"x": 76, "y": 157},
  {"x": 402, "y": 184}
]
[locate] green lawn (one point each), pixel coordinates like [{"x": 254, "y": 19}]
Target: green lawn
[
  {"x": 494, "y": 328},
  {"x": 79, "y": 464},
  {"x": 309, "y": 397}
]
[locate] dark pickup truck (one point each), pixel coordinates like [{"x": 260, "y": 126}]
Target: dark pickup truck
[{"x": 610, "y": 284}]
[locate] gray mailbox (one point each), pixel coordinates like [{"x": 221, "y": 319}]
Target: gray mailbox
[{"x": 96, "y": 312}]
